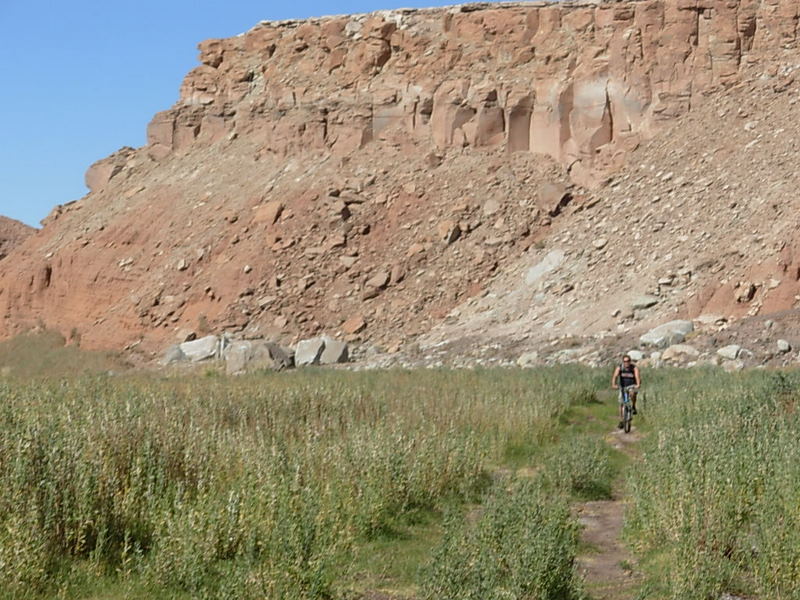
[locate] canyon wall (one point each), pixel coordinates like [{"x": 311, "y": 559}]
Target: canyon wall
[
  {"x": 367, "y": 174},
  {"x": 581, "y": 83}
]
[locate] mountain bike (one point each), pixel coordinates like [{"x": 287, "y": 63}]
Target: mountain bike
[{"x": 627, "y": 407}]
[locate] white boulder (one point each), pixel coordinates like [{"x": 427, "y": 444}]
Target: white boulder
[
  {"x": 680, "y": 352},
  {"x": 172, "y": 355},
  {"x": 309, "y": 352},
  {"x": 251, "y": 355},
  {"x": 729, "y": 352},
  {"x": 335, "y": 351},
  {"x": 202, "y": 349},
  {"x": 323, "y": 350},
  {"x": 667, "y": 334},
  {"x": 528, "y": 360}
]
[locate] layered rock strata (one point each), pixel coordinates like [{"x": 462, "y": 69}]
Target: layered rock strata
[
  {"x": 581, "y": 83},
  {"x": 372, "y": 170}
]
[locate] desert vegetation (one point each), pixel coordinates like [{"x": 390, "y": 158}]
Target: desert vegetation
[
  {"x": 265, "y": 486},
  {"x": 716, "y": 498},
  {"x": 427, "y": 484}
]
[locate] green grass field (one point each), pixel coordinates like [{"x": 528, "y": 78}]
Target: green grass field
[{"x": 426, "y": 484}]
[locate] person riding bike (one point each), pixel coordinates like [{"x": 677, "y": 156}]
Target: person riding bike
[{"x": 626, "y": 377}]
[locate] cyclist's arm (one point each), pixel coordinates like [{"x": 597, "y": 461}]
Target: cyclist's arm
[
  {"x": 614, "y": 378},
  {"x": 638, "y": 377}
]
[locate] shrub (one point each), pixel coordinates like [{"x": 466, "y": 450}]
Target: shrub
[
  {"x": 579, "y": 466},
  {"x": 522, "y": 546}
]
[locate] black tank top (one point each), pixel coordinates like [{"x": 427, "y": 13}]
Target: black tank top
[{"x": 626, "y": 375}]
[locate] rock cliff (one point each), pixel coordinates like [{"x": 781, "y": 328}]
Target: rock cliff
[
  {"x": 12, "y": 233},
  {"x": 582, "y": 84},
  {"x": 379, "y": 175}
]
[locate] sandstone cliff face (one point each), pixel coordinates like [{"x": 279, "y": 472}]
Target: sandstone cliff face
[
  {"x": 369, "y": 174},
  {"x": 12, "y": 233},
  {"x": 582, "y": 84}
]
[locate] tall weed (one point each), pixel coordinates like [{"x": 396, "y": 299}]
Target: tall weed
[
  {"x": 251, "y": 487},
  {"x": 522, "y": 545},
  {"x": 717, "y": 495}
]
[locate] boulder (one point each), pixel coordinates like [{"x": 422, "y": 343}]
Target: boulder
[
  {"x": 100, "y": 173},
  {"x": 309, "y": 352},
  {"x": 552, "y": 198},
  {"x": 711, "y": 320},
  {"x": 323, "y": 350},
  {"x": 103, "y": 171},
  {"x": 565, "y": 357},
  {"x": 269, "y": 213},
  {"x": 252, "y": 355},
  {"x": 448, "y": 231},
  {"x": 491, "y": 207},
  {"x": 667, "y": 334},
  {"x": 745, "y": 292},
  {"x": 528, "y": 360},
  {"x": 733, "y": 365},
  {"x": 746, "y": 354},
  {"x": 654, "y": 360},
  {"x": 202, "y": 349},
  {"x": 378, "y": 281},
  {"x": 680, "y": 352},
  {"x": 645, "y": 301},
  {"x": 354, "y": 325},
  {"x": 173, "y": 354},
  {"x": 636, "y": 355},
  {"x": 784, "y": 346},
  {"x": 375, "y": 285},
  {"x": 729, "y": 352},
  {"x": 335, "y": 352}
]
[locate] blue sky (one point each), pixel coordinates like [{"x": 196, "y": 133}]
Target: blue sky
[{"x": 80, "y": 79}]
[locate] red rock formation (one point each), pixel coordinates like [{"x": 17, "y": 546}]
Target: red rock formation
[
  {"x": 12, "y": 234},
  {"x": 305, "y": 158},
  {"x": 579, "y": 83}
]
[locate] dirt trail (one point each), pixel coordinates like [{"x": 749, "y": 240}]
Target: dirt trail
[{"x": 606, "y": 564}]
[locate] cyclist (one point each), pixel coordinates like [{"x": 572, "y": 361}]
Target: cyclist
[{"x": 626, "y": 377}]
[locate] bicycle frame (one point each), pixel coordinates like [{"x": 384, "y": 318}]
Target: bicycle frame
[{"x": 627, "y": 409}]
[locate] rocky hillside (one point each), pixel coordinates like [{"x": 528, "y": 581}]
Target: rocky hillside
[
  {"x": 700, "y": 225},
  {"x": 547, "y": 176},
  {"x": 12, "y": 234}
]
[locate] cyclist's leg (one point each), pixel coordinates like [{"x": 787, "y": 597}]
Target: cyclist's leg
[{"x": 634, "y": 394}]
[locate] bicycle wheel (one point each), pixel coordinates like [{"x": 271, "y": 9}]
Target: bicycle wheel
[{"x": 627, "y": 417}]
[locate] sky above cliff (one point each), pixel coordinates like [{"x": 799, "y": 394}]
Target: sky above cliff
[{"x": 83, "y": 78}]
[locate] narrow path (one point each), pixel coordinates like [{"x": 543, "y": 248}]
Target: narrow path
[{"x": 606, "y": 564}]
